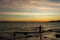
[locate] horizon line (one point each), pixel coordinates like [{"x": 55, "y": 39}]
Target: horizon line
[{"x": 31, "y": 21}]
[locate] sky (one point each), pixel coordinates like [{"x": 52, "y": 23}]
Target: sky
[{"x": 29, "y": 10}]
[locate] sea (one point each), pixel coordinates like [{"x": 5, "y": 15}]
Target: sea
[{"x": 29, "y": 31}]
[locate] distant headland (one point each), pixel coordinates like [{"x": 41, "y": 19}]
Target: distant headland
[{"x": 55, "y": 21}]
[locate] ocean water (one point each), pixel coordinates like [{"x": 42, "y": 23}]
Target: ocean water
[{"x": 7, "y": 31}]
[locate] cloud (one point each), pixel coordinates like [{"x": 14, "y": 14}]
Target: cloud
[
  {"x": 28, "y": 2},
  {"x": 20, "y": 13},
  {"x": 28, "y": 5}
]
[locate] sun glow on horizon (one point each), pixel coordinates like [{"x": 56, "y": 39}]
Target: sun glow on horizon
[{"x": 20, "y": 16}]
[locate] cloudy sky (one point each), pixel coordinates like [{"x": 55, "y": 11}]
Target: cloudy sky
[{"x": 29, "y": 10}]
